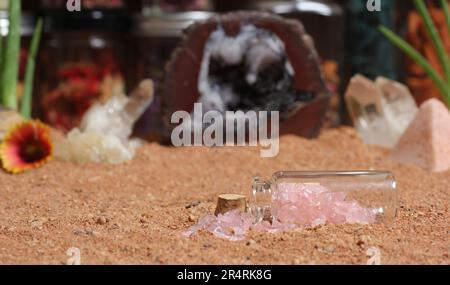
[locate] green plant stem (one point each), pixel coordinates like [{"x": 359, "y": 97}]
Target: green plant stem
[
  {"x": 444, "y": 5},
  {"x": 11, "y": 55},
  {"x": 1, "y": 60},
  {"x": 417, "y": 57},
  {"x": 26, "y": 105},
  {"x": 437, "y": 42}
]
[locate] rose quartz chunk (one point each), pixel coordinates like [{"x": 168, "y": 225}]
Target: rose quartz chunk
[
  {"x": 311, "y": 205},
  {"x": 232, "y": 225},
  {"x": 426, "y": 142},
  {"x": 293, "y": 206}
]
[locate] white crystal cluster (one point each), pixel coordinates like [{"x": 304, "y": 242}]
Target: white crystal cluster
[
  {"x": 104, "y": 133},
  {"x": 256, "y": 47}
]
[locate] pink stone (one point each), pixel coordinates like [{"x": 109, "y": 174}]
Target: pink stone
[
  {"x": 202, "y": 224},
  {"x": 311, "y": 205},
  {"x": 426, "y": 142},
  {"x": 232, "y": 225}
]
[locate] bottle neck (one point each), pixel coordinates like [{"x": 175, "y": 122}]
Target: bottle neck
[{"x": 261, "y": 199}]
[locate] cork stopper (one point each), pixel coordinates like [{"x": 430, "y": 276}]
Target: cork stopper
[{"x": 230, "y": 202}]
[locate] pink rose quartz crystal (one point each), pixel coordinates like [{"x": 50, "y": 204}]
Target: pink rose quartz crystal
[
  {"x": 309, "y": 205},
  {"x": 232, "y": 225},
  {"x": 293, "y": 206},
  {"x": 426, "y": 142}
]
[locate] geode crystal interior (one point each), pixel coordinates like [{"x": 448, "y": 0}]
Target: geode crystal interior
[{"x": 249, "y": 61}]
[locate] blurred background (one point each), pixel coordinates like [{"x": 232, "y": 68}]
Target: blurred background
[{"x": 113, "y": 44}]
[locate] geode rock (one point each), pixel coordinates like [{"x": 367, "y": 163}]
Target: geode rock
[{"x": 249, "y": 61}]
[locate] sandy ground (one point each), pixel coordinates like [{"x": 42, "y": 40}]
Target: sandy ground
[{"x": 135, "y": 213}]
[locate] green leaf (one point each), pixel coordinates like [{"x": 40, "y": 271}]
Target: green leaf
[
  {"x": 419, "y": 59},
  {"x": 11, "y": 56},
  {"x": 444, "y": 5},
  {"x": 1, "y": 61},
  {"x": 435, "y": 37},
  {"x": 29, "y": 73}
]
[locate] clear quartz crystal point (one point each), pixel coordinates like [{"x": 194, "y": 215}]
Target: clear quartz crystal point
[{"x": 381, "y": 110}]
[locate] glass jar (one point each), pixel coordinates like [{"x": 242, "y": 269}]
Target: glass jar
[
  {"x": 230, "y": 5},
  {"x": 85, "y": 4},
  {"x": 156, "y": 35},
  {"x": 181, "y": 5},
  {"x": 336, "y": 197},
  {"x": 82, "y": 60}
]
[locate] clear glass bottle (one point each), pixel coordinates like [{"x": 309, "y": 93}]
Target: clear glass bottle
[{"x": 336, "y": 196}]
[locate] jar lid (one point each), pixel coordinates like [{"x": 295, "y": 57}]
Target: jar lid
[
  {"x": 320, "y": 7},
  {"x": 167, "y": 24},
  {"x": 114, "y": 20},
  {"x": 27, "y": 23}
]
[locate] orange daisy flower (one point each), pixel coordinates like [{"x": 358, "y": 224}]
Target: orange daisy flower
[{"x": 27, "y": 146}]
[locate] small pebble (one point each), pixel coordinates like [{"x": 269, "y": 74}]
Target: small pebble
[
  {"x": 92, "y": 233},
  {"x": 363, "y": 240},
  {"x": 78, "y": 232},
  {"x": 192, "y": 218},
  {"x": 101, "y": 221},
  {"x": 38, "y": 224},
  {"x": 115, "y": 226},
  {"x": 329, "y": 249},
  {"x": 251, "y": 242},
  {"x": 193, "y": 204}
]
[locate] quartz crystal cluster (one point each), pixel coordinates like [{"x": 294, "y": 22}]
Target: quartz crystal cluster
[
  {"x": 104, "y": 133},
  {"x": 293, "y": 206},
  {"x": 381, "y": 110}
]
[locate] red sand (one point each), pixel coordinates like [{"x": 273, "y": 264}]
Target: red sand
[{"x": 135, "y": 213}]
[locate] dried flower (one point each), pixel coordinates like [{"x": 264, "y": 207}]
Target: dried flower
[{"x": 26, "y": 146}]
